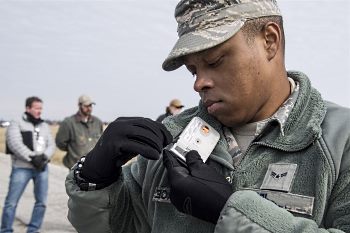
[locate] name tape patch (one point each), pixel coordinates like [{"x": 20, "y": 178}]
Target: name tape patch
[{"x": 292, "y": 202}]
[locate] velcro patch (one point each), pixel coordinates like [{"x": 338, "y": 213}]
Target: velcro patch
[
  {"x": 161, "y": 194},
  {"x": 292, "y": 202},
  {"x": 279, "y": 176}
]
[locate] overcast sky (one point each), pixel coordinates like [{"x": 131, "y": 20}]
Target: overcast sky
[{"x": 113, "y": 51}]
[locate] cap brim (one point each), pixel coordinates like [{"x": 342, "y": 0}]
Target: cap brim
[
  {"x": 197, "y": 41},
  {"x": 88, "y": 103}
]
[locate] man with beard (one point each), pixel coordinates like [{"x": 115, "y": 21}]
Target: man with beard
[
  {"x": 79, "y": 133},
  {"x": 30, "y": 144}
]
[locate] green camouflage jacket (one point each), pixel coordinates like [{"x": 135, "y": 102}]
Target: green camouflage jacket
[{"x": 298, "y": 181}]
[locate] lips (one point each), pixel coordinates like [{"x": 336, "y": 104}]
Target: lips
[
  {"x": 208, "y": 103},
  {"x": 212, "y": 106}
]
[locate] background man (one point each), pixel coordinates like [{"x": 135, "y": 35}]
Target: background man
[
  {"x": 282, "y": 163},
  {"x": 79, "y": 133},
  {"x": 174, "y": 108},
  {"x": 30, "y": 143}
]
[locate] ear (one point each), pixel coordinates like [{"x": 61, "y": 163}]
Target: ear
[{"x": 272, "y": 39}]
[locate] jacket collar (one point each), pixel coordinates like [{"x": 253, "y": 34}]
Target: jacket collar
[
  {"x": 302, "y": 127},
  {"x": 29, "y": 118},
  {"x": 79, "y": 118}
]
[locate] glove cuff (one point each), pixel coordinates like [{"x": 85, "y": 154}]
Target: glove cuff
[{"x": 84, "y": 184}]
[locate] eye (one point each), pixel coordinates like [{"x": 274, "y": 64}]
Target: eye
[{"x": 216, "y": 62}]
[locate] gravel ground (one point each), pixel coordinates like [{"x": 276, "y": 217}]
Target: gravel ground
[{"x": 55, "y": 220}]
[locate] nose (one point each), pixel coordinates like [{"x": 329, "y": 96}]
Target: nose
[{"x": 203, "y": 82}]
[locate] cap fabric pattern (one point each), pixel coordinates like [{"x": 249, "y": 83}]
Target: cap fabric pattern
[{"x": 203, "y": 24}]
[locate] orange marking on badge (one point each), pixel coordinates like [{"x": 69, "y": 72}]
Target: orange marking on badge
[{"x": 205, "y": 129}]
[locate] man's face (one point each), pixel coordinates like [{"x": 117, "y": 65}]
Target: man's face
[
  {"x": 231, "y": 80},
  {"x": 85, "y": 110},
  {"x": 35, "y": 109}
]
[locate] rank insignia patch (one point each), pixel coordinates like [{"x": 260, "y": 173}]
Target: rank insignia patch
[{"x": 279, "y": 176}]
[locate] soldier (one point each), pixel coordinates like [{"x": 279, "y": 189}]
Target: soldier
[{"x": 282, "y": 161}]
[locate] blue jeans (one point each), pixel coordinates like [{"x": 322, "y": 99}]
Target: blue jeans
[{"x": 18, "y": 181}]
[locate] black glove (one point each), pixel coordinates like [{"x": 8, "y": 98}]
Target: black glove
[
  {"x": 39, "y": 162},
  {"x": 122, "y": 140},
  {"x": 197, "y": 190}
]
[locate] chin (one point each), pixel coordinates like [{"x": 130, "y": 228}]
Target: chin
[
  {"x": 228, "y": 121},
  {"x": 222, "y": 120}
]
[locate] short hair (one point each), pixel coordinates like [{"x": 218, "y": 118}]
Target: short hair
[
  {"x": 31, "y": 100},
  {"x": 252, "y": 27}
]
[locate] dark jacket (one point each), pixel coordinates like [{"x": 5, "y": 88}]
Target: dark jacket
[{"x": 163, "y": 116}]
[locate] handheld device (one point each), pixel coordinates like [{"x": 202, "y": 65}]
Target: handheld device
[{"x": 197, "y": 135}]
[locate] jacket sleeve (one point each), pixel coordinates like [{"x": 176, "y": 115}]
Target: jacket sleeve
[
  {"x": 117, "y": 208},
  {"x": 15, "y": 143},
  {"x": 63, "y": 136},
  {"x": 50, "y": 149},
  {"x": 89, "y": 211},
  {"x": 246, "y": 211}
]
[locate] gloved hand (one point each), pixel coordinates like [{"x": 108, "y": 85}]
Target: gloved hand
[
  {"x": 122, "y": 140},
  {"x": 197, "y": 190},
  {"x": 39, "y": 162}
]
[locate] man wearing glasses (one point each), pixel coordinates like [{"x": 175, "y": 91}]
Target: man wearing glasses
[{"x": 79, "y": 133}]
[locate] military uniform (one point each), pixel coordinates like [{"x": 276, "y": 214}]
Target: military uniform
[
  {"x": 291, "y": 180},
  {"x": 293, "y": 177}
]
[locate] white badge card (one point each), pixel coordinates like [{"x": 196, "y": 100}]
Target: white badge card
[{"x": 198, "y": 135}]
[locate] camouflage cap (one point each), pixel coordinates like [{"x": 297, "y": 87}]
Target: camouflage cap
[{"x": 203, "y": 24}]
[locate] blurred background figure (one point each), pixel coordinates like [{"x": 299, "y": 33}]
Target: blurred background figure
[
  {"x": 79, "y": 133},
  {"x": 174, "y": 108},
  {"x": 30, "y": 144}
]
